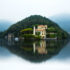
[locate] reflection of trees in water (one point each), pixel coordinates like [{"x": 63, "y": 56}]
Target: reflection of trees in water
[{"x": 35, "y": 51}]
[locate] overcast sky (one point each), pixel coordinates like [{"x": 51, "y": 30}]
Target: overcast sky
[{"x": 15, "y": 10}]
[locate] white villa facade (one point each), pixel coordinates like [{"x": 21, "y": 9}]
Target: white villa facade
[{"x": 41, "y": 29}]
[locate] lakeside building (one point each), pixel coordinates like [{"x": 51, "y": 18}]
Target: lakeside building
[
  {"x": 41, "y": 29},
  {"x": 9, "y": 36}
]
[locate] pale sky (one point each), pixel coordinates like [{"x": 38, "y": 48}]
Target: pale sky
[{"x": 15, "y": 10}]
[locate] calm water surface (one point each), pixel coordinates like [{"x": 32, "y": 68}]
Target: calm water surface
[{"x": 34, "y": 55}]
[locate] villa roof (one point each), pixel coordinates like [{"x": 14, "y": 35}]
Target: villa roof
[
  {"x": 41, "y": 25},
  {"x": 40, "y": 29}
]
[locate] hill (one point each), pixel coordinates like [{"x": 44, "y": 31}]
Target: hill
[
  {"x": 35, "y": 20},
  {"x": 63, "y": 20}
]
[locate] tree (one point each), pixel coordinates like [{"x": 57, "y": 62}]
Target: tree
[
  {"x": 26, "y": 31},
  {"x": 38, "y": 33}
]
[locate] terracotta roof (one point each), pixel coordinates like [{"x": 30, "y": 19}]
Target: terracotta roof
[
  {"x": 41, "y": 25},
  {"x": 40, "y": 29}
]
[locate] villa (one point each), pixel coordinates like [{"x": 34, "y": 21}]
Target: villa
[{"x": 41, "y": 29}]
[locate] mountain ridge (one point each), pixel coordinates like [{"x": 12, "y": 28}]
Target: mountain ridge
[
  {"x": 4, "y": 25},
  {"x": 35, "y": 20},
  {"x": 63, "y": 20}
]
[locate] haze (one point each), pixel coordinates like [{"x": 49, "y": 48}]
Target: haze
[{"x": 15, "y": 10}]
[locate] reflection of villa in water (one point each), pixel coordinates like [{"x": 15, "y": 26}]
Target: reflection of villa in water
[{"x": 40, "y": 47}]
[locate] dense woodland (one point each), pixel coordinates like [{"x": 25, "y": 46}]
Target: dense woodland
[{"x": 36, "y": 20}]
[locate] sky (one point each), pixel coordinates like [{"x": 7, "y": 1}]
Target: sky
[{"x": 16, "y": 10}]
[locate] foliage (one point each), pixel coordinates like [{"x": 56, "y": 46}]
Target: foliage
[
  {"x": 26, "y": 31},
  {"x": 30, "y": 36},
  {"x": 1, "y": 34},
  {"x": 52, "y": 35},
  {"x": 38, "y": 33},
  {"x": 51, "y": 29}
]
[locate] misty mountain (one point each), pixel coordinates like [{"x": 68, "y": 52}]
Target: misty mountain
[
  {"x": 4, "y": 25},
  {"x": 63, "y": 20},
  {"x": 35, "y": 20}
]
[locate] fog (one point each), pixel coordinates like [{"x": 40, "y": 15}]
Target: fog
[
  {"x": 18, "y": 63},
  {"x": 15, "y": 10}
]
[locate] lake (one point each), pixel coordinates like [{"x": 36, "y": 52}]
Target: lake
[{"x": 34, "y": 55}]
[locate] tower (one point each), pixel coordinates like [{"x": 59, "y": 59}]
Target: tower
[{"x": 34, "y": 30}]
